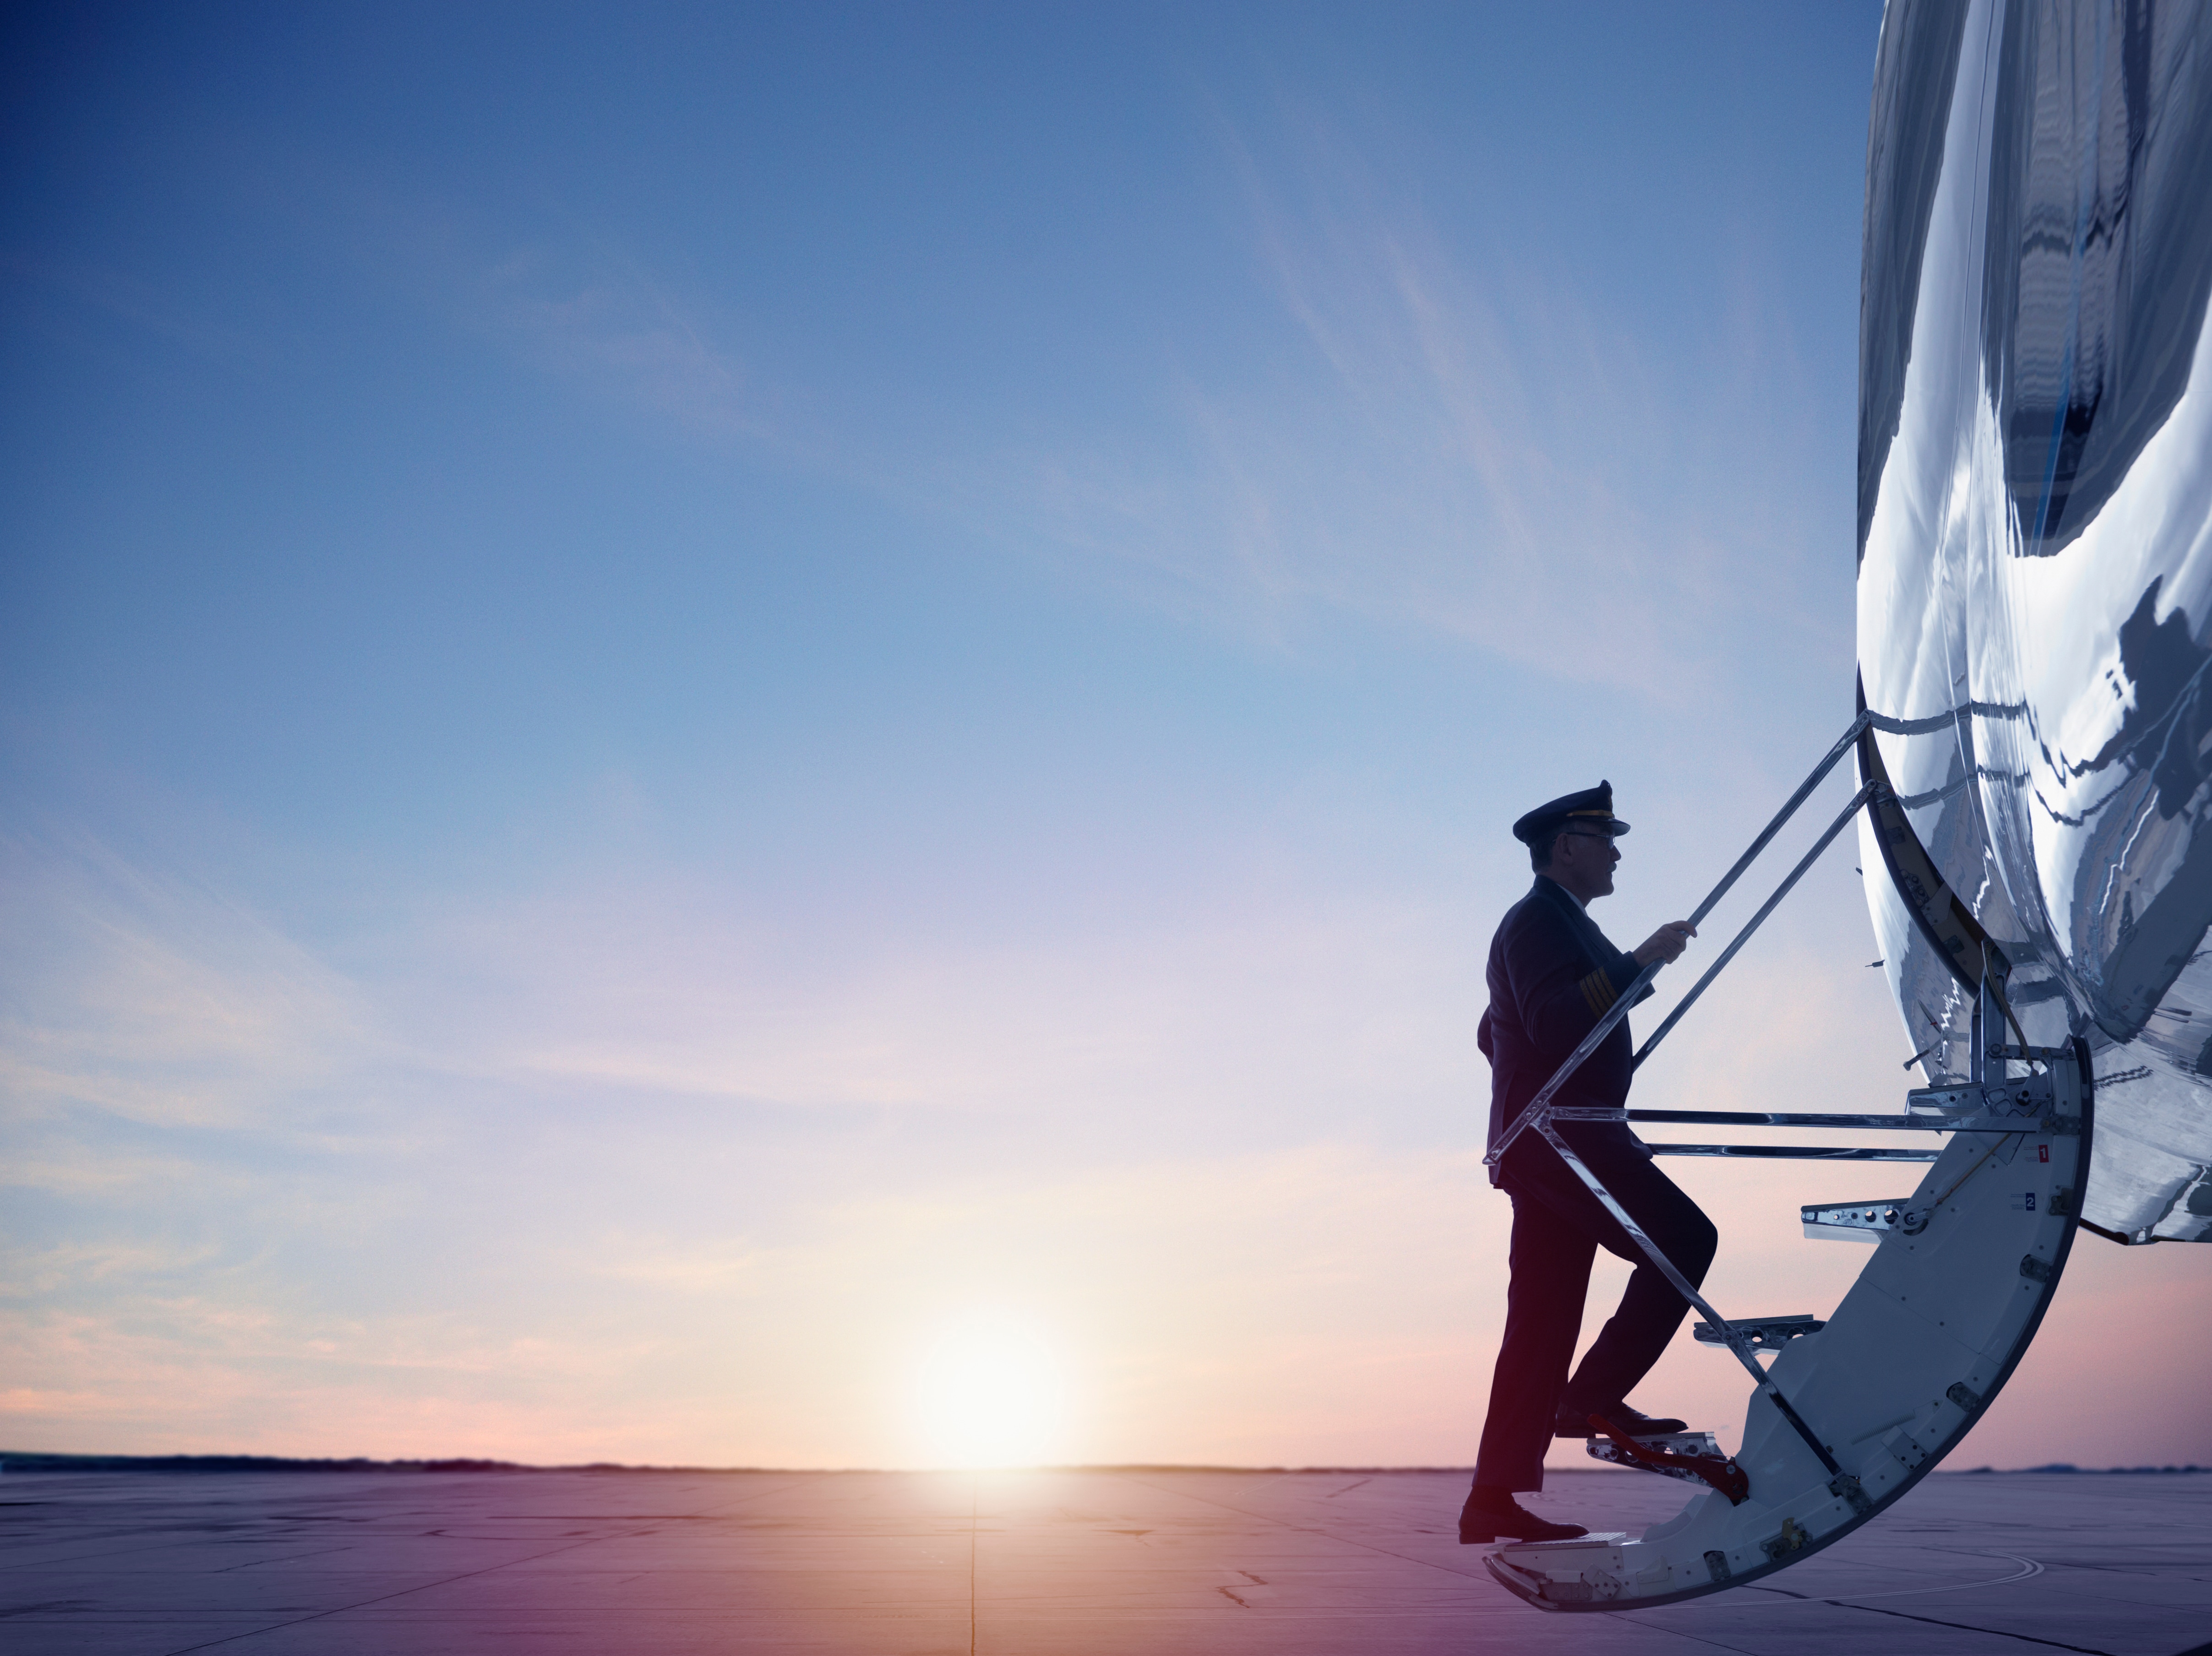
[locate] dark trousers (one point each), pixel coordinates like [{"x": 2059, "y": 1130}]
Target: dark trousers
[{"x": 1558, "y": 1228}]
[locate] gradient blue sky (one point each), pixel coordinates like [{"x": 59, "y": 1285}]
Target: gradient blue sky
[{"x": 694, "y": 696}]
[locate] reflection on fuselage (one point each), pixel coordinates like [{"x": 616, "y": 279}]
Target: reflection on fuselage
[{"x": 2035, "y": 547}]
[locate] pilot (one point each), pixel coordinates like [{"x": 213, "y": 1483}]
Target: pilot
[{"x": 1552, "y": 975}]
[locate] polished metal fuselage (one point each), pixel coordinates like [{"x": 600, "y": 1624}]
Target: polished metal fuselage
[{"x": 2035, "y": 548}]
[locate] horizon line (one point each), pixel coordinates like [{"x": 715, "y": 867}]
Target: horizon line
[{"x": 33, "y": 1460}]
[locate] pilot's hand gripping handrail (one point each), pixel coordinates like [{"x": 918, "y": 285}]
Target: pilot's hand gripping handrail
[{"x": 1537, "y": 1106}]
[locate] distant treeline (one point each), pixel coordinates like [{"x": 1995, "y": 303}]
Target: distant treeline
[{"x": 11, "y": 1461}]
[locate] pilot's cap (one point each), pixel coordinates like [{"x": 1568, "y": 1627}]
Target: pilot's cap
[{"x": 1591, "y": 809}]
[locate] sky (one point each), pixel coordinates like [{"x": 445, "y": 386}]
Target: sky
[{"x": 784, "y": 736}]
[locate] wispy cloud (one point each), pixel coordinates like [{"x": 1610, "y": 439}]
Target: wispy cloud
[
  {"x": 666, "y": 989},
  {"x": 1450, "y": 438},
  {"x": 592, "y": 314},
  {"x": 148, "y": 309},
  {"x": 157, "y": 998},
  {"x": 1445, "y": 436}
]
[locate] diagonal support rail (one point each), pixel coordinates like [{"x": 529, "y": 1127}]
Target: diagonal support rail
[{"x": 1842, "y": 821}]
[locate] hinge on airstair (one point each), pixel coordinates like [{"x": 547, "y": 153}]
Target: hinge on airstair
[
  {"x": 1693, "y": 1457},
  {"x": 1848, "y": 1489},
  {"x": 1764, "y": 1333},
  {"x": 1862, "y": 1222},
  {"x": 1999, "y": 1104}
]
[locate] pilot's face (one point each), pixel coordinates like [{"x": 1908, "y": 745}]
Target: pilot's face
[{"x": 1584, "y": 860}]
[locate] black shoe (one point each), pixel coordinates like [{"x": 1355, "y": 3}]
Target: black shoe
[
  {"x": 1502, "y": 1517},
  {"x": 1632, "y": 1423}
]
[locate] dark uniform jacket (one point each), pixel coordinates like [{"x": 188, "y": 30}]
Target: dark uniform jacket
[{"x": 1552, "y": 975}]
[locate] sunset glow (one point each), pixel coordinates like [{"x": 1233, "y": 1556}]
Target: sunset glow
[{"x": 991, "y": 1394}]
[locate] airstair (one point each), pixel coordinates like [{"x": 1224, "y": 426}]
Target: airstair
[{"x": 1846, "y": 1412}]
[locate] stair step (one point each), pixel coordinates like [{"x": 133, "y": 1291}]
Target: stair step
[{"x": 1767, "y": 1333}]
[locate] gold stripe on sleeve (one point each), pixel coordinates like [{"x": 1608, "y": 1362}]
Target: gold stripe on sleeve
[{"x": 1597, "y": 989}]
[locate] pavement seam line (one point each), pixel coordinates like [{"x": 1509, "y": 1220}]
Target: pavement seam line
[
  {"x": 1968, "y": 1627},
  {"x": 425, "y": 1586},
  {"x": 1315, "y": 1529}
]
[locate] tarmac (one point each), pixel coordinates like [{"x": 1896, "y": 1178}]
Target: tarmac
[{"x": 1151, "y": 1561}]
